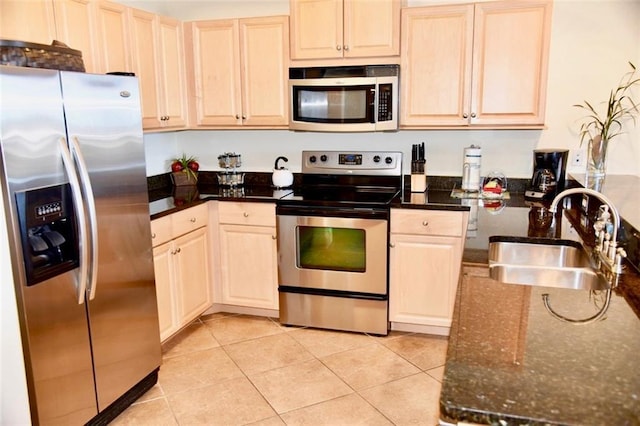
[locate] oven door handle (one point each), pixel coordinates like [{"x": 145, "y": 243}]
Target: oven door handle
[{"x": 349, "y": 212}]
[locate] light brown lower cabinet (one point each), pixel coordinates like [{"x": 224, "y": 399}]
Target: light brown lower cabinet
[
  {"x": 248, "y": 257},
  {"x": 181, "y": 265},
  {"x": 424, "y": 267}
]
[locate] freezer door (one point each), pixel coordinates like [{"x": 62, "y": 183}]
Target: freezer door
[
  {"x": 105, "y": 131},
  {"x": 54, "y": 326}
]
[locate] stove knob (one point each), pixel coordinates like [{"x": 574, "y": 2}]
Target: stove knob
[
  {"x": 323, "y": 158},
  {"x": 312, "y": 159},
  {"x": 376, "y": 159},
  {"x": 388, "y": 160}
]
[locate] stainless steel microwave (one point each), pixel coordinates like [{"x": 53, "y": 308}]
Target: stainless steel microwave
[{"x": 344, "y": 99}]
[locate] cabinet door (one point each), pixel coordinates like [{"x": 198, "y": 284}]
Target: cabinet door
[
  {"x": 113, "y": 37},
  {"x": 316, "y": 29},
  {"x": 31, "y": 21},
  {"x": 371, "y": 28},
  {"x": 265, "y": 69},
  {"x": 249, "y": 270},
  {"x": 436, "y": 65},
  {"x": 163, "y": 265},
  {"x": 170, "y": 68},
  {"x": 76, "y": 28},
  {"x": 424, "y": 274},
  {"x": 215, "y": 95},
  {"x": 192, "y": 275},
  {"x": 511, "y": 50},
  {"x": 143, "y": 36}
]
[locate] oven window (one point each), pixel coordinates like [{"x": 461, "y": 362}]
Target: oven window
[{"x": 336, "y": 249}]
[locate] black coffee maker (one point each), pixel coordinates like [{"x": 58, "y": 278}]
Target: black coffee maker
[{"x": 549, "y": 167}]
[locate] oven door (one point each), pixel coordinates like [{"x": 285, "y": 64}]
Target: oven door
[
  {"x": 342, "y": 255},
  {"x": 347, "y": 104}
]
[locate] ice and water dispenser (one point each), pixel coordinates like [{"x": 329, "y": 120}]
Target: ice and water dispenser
[{"x": 48, "y": 231}]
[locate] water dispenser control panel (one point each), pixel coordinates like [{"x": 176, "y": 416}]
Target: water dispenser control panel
[{"x": 48, "y": 231}]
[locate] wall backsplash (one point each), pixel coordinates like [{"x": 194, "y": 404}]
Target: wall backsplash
[{"x": 506, "y": 151}]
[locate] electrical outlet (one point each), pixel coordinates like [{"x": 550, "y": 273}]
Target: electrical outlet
[{"x": 578, "y": 158}]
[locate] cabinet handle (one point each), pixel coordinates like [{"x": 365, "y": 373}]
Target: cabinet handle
[
  {"x": 465, "y": 115},
  {"x": 338, "y": 47},
  {"x": 244, "y": 117},
  {"x": 346, "y": 48},
  {"x": 392, "y": 245},
  {"x": 153, "y": 235},
  {"x": 473, "y": 115},
  {"x": 274, "y": 237},
  {"x": 178, "y": 250},
  {"x": 193, "y": 220},
  {"x": 245, "y": 214},
  {"x": 237, "y": 117},
  {"x": 425, "y": 223}
]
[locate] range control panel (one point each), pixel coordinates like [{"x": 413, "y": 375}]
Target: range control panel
[{"x": 383, "y": 163}]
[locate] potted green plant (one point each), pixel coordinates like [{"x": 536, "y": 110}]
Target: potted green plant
[{"x": 599, "y": 128}]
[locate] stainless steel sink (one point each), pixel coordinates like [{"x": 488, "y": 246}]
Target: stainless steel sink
[{"x": 543, "y": 262}]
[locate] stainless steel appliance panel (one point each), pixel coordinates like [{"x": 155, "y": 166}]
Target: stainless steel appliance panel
[
  {"x": 103, "y": 117},
  {"x": 82, "y": 350},
  {"x": 344, "y": 99},
  {"x": 372, "y": 280},
  {"x": 53, "y": 324},
  {"x": 337, "y": 313}
]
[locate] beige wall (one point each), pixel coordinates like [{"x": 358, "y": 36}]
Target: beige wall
[{"x": 592, "y": 41}]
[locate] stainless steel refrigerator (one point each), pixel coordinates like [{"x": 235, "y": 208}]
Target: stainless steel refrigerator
[{"x": 74, "y": 182}]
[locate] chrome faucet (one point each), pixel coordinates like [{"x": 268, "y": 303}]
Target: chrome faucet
[{"x": 609, "y": 253}]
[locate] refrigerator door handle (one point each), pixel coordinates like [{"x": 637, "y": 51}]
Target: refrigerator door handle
[
  {"x": 83, "y": 275},
  {"x": 87, "y": 192}
]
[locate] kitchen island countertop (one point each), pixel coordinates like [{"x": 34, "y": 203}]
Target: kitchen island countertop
[{"x": 510, "y": 362}]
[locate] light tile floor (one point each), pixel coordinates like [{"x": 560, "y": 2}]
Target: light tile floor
[{"x": 227, "y": 369}]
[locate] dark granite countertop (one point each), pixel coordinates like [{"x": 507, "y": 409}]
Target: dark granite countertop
[
  {"x": 509, "y": 362},
  {"x": 164, "y": 198}
]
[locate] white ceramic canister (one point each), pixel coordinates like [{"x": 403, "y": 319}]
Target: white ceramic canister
[{"x": 471, "y": 168}]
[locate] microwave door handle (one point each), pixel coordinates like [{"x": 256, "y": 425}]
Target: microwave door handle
[
  {"x": 374, "y": 104},
  {"x": 78, "y": 206},
  {"x": 91, "y": 211}
]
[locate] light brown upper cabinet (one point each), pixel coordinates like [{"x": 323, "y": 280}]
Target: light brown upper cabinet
[
  {"x": 75, "y": 26},
  {"x": 158, "y": 62},
  {"x": 113, "y": 46},
  {"x": 42, "y": 21},
  {"x": 481, "y": 64},
  {"x": 239, "y": 72},
  {"x": 335, "y": 29},
  {"x": 31, "y": 21}
]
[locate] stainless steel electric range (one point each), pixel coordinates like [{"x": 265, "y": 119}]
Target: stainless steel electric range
[{"x": 333, "y": 241}]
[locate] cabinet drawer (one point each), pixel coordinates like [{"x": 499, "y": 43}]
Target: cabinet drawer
[
  {"x": 160, "y": 230},
  {"x": 257, "y": 214},
  {"x": 190, "y": 219},
  {"x": 427, "y": 222}
]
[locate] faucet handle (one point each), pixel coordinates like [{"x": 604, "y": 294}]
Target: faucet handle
[
  {"x": 620, "y": 254},
  {"x": 604, "y": 214}
]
